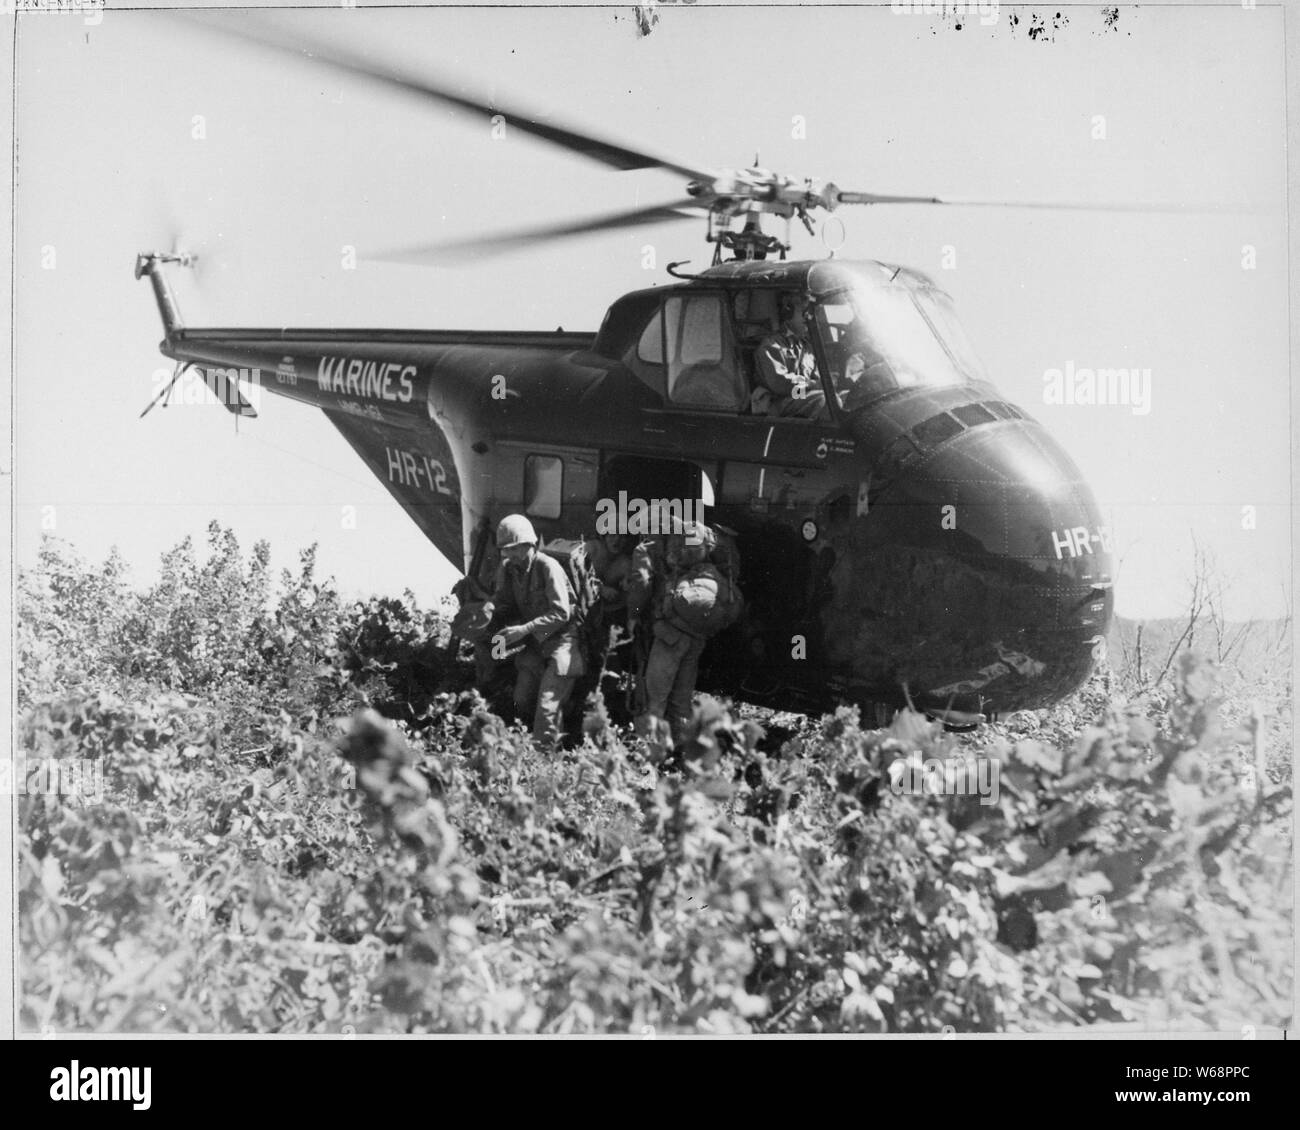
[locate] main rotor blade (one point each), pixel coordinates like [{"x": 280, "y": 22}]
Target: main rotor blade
[
  {"x": 875, "y": 198},
  {"x": 458, "y": 252},
  {"x": 394, "y": 78},
  {"x": 1063, "y": 205}
]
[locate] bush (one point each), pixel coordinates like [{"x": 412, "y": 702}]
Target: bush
[{"x": 308, "y": 822}]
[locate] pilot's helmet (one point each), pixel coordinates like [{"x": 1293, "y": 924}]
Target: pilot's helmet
[{"x": 790, "y": 304}]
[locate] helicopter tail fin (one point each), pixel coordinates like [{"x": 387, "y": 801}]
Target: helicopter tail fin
[{"x": 150, "y": 263}]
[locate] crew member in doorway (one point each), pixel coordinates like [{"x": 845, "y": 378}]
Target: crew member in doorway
[
  {"x": 694, "y": 602},
  {"x": 610, "y": 558}
]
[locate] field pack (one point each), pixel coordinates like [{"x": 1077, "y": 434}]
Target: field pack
[
  {"x": 584, "y": 593},
  {"x": 703, "y": 602}
]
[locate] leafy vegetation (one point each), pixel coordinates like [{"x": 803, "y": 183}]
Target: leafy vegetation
[{"x": 310, "y": 823}]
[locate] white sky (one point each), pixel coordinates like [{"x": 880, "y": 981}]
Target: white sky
[{"x": 297, "y": 163}]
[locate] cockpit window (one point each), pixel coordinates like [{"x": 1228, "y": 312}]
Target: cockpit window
[
  {"x": 938, "y": 310},
  {"x": 881, "y": 338}
]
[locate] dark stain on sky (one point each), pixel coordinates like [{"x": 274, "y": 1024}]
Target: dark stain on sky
[{"x": 1041, "y": 28}]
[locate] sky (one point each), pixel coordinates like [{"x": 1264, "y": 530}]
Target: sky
[{"x": 144, "y": 128}]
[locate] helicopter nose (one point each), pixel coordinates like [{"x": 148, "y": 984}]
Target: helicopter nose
[{"x": 1004, "y": 559}]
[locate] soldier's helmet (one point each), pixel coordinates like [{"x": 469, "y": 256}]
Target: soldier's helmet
[
  {"x": 692, "y": 542},
  {"x": 707, "y": 538},
  {"x": 515, "y": 529}
]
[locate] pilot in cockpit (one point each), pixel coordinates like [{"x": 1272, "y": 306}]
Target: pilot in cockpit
[
  {"x": 864, "y": 373},
  {"x": 786, "y": 368}
]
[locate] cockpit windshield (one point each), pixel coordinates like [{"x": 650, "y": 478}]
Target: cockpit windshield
[{"x": 882, "y": 337}]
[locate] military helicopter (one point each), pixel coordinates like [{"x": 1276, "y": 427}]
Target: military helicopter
[{"x": 917, "y": 539}]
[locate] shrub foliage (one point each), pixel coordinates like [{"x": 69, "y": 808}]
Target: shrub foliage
[{"x": 310, "y": 823}]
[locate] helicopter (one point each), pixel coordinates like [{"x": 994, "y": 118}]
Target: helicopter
[{"x": 908, "y": 537}]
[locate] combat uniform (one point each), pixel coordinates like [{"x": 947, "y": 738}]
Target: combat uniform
[
  {"x": 645, "y": 587},
  {"x": 545, "y": 671},
  {"x": 647, "y": 574},
  {"x": 674, "y": 662},
  {"x": 611, "y": 569},
  {"x": 679, "y": 594},
  {"x": 787, "y": 373}
]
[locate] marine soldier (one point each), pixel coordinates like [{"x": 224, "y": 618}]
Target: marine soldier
[
  {"x": 597, "y": 570},
  {"x": 691, "y": 605},
  {"x": 532, "y": 596},
  {"x": 646, "y": 578},
  {"x": 610, "y": 558}
]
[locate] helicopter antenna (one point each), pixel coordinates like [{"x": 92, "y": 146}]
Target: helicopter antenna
[
  {"x": 832, "y": 235},
  {"x": 673, "y": 269}
]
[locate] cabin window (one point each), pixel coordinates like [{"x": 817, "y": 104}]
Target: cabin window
[
  {"x": 701, "y": 356},
  {"x": 650, "y": 348},
  {"x": 543, "y": 486}
]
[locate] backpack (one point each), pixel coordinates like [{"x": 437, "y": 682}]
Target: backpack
[
  {"x": 703, "y": 602},
  {"x": 725, "y": 557},
  {"x": 588, "y": 621}
]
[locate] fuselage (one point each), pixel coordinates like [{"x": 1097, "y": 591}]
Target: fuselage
[{"x": 917, "y": 539}]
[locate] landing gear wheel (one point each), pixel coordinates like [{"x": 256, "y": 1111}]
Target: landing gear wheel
[
  {"x": 961, "y": 727},
  {"x": 878, "y": 715}
]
